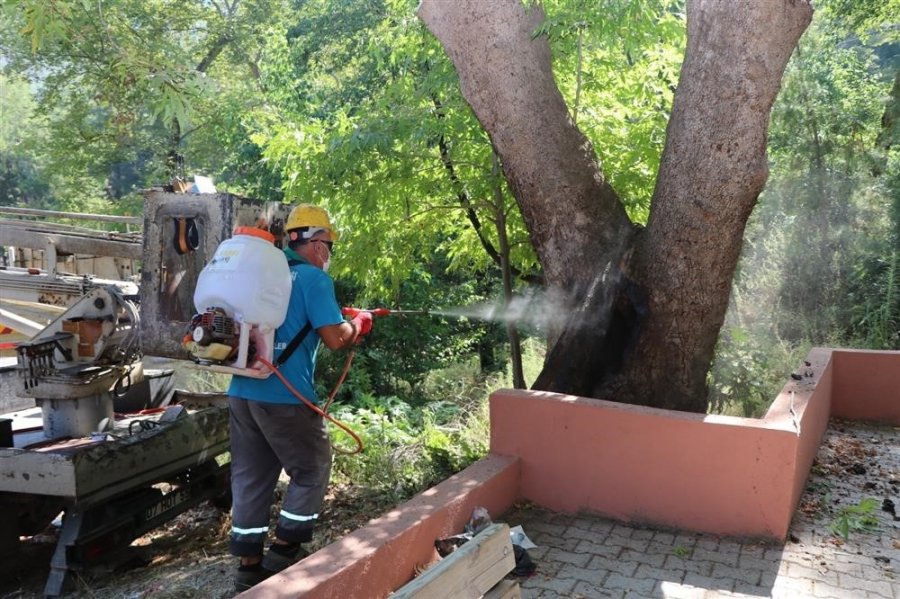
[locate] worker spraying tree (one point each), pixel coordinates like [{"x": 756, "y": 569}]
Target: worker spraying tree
[
  {"x": 270, "y": 428},
  {"x": 261, "y": 316}
]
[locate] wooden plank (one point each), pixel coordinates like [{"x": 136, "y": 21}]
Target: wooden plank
[
  {"x": 505, "y": 589},
  {"x": 467, "y": 573}
]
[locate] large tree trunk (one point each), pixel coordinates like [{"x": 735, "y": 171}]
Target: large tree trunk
[
  {"x": 649, "y": 336},
  {"x": 712, "y": 171}
]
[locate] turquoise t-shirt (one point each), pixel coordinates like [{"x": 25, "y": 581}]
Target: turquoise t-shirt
[{"x": 312, "y": 300}]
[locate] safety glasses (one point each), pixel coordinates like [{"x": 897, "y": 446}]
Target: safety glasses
[{"x": 330, "y": 244}]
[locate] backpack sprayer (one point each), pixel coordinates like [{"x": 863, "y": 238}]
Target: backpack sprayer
[{"x": 241, "y": 297}]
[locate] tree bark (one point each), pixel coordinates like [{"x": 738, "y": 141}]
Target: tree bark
[
  {"x": 643, "y": 329},
  {"x": 712, "y": 170}
]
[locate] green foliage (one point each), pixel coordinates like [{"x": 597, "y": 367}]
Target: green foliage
[
  {"x": 384, "y": 429},
  {"x": 855, "y": 518},
  {"x": 749, "y": 371},
  {"x": 407, "y": 449},
  {"x": 533, "y": 352},
  {"x": 21, "y": 180},
  {"x": 818, "y": 266},
  {"x": 826, "y": 173},
  {"x": 402, "y": 350},
  {"x": 617, "y": 65},
  {"x": 452, "y": 438},
  {"x": 16, "y": 111},
  {"x": 21, "y": 183},
  {"x": 372, "y": 125},
  {"x": 126, "y": 85},
  {"x": 874, "y": 20},
  {"x": 875, "y": 311}
]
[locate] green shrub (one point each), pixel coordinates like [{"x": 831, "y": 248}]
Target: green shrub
[
  {"x": 876, "y": 312},
  {"x": 408, "y": 449},
  {"x": 749, "y": 371}
]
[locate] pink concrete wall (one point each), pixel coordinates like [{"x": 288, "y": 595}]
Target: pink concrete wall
[
  {"x": 375, "y": 560},
  {"x": 807, "y": 403},
  {"x": 730, "y": 476},
  {"x": 708, "y": 473},
  {"x": 867, "y": 385}
]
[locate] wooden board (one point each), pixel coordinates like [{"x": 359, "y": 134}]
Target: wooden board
[
  {"x": 467, "y": 573},
  {"x": 252, "y": 373},
  {"x": 505, "y": 589}
]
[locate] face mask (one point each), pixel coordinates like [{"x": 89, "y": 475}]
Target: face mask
[{"x": 327, "y": 262}]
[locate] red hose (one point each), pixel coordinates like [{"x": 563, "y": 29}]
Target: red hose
[{"x": 317, "y": 409}]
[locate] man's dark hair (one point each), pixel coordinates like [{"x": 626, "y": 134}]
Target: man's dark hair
[{"x": 296, "y": 237}]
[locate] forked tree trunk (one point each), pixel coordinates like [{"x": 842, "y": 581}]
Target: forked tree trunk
[
  {"x": 575, "y": 220},
  {"x": 648, "y": 337}
]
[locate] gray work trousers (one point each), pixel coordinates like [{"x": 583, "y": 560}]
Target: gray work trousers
[{"x": 266, "y": 437}]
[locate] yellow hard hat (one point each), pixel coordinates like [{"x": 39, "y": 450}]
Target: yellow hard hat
[{"x": 309, "y": 216}]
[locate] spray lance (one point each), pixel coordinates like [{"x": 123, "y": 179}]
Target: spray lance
[{"x": 354, "y": 312}]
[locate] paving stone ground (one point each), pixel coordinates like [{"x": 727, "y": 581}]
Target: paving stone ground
[{"x": 852, "y": 488}]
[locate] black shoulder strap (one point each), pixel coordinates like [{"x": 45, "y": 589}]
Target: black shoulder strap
[
  {"x": 285, "y": 355},
  {"x": 288, "y": 351}
]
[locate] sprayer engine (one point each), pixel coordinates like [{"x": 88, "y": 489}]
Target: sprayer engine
[
  {"x": 214, "y": 325},
  {"x": 213, "y": 337}
]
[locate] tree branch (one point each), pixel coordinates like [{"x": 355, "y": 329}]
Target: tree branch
[
  {"x": 466, "y": 203},
  {"x": 214, "y": 51}
]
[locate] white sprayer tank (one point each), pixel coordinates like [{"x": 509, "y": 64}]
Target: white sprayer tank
[{"x": 249, "y": 278}]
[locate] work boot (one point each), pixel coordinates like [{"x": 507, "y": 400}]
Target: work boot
[
  {"x": 280, "y": 556},
  {"x": 249, "y": 576}
]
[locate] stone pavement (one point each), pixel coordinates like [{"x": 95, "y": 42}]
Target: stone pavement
[{"x": 854, "y": 488}]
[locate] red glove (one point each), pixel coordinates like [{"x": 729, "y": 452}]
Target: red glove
[{"x": 363, "y": 323}]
